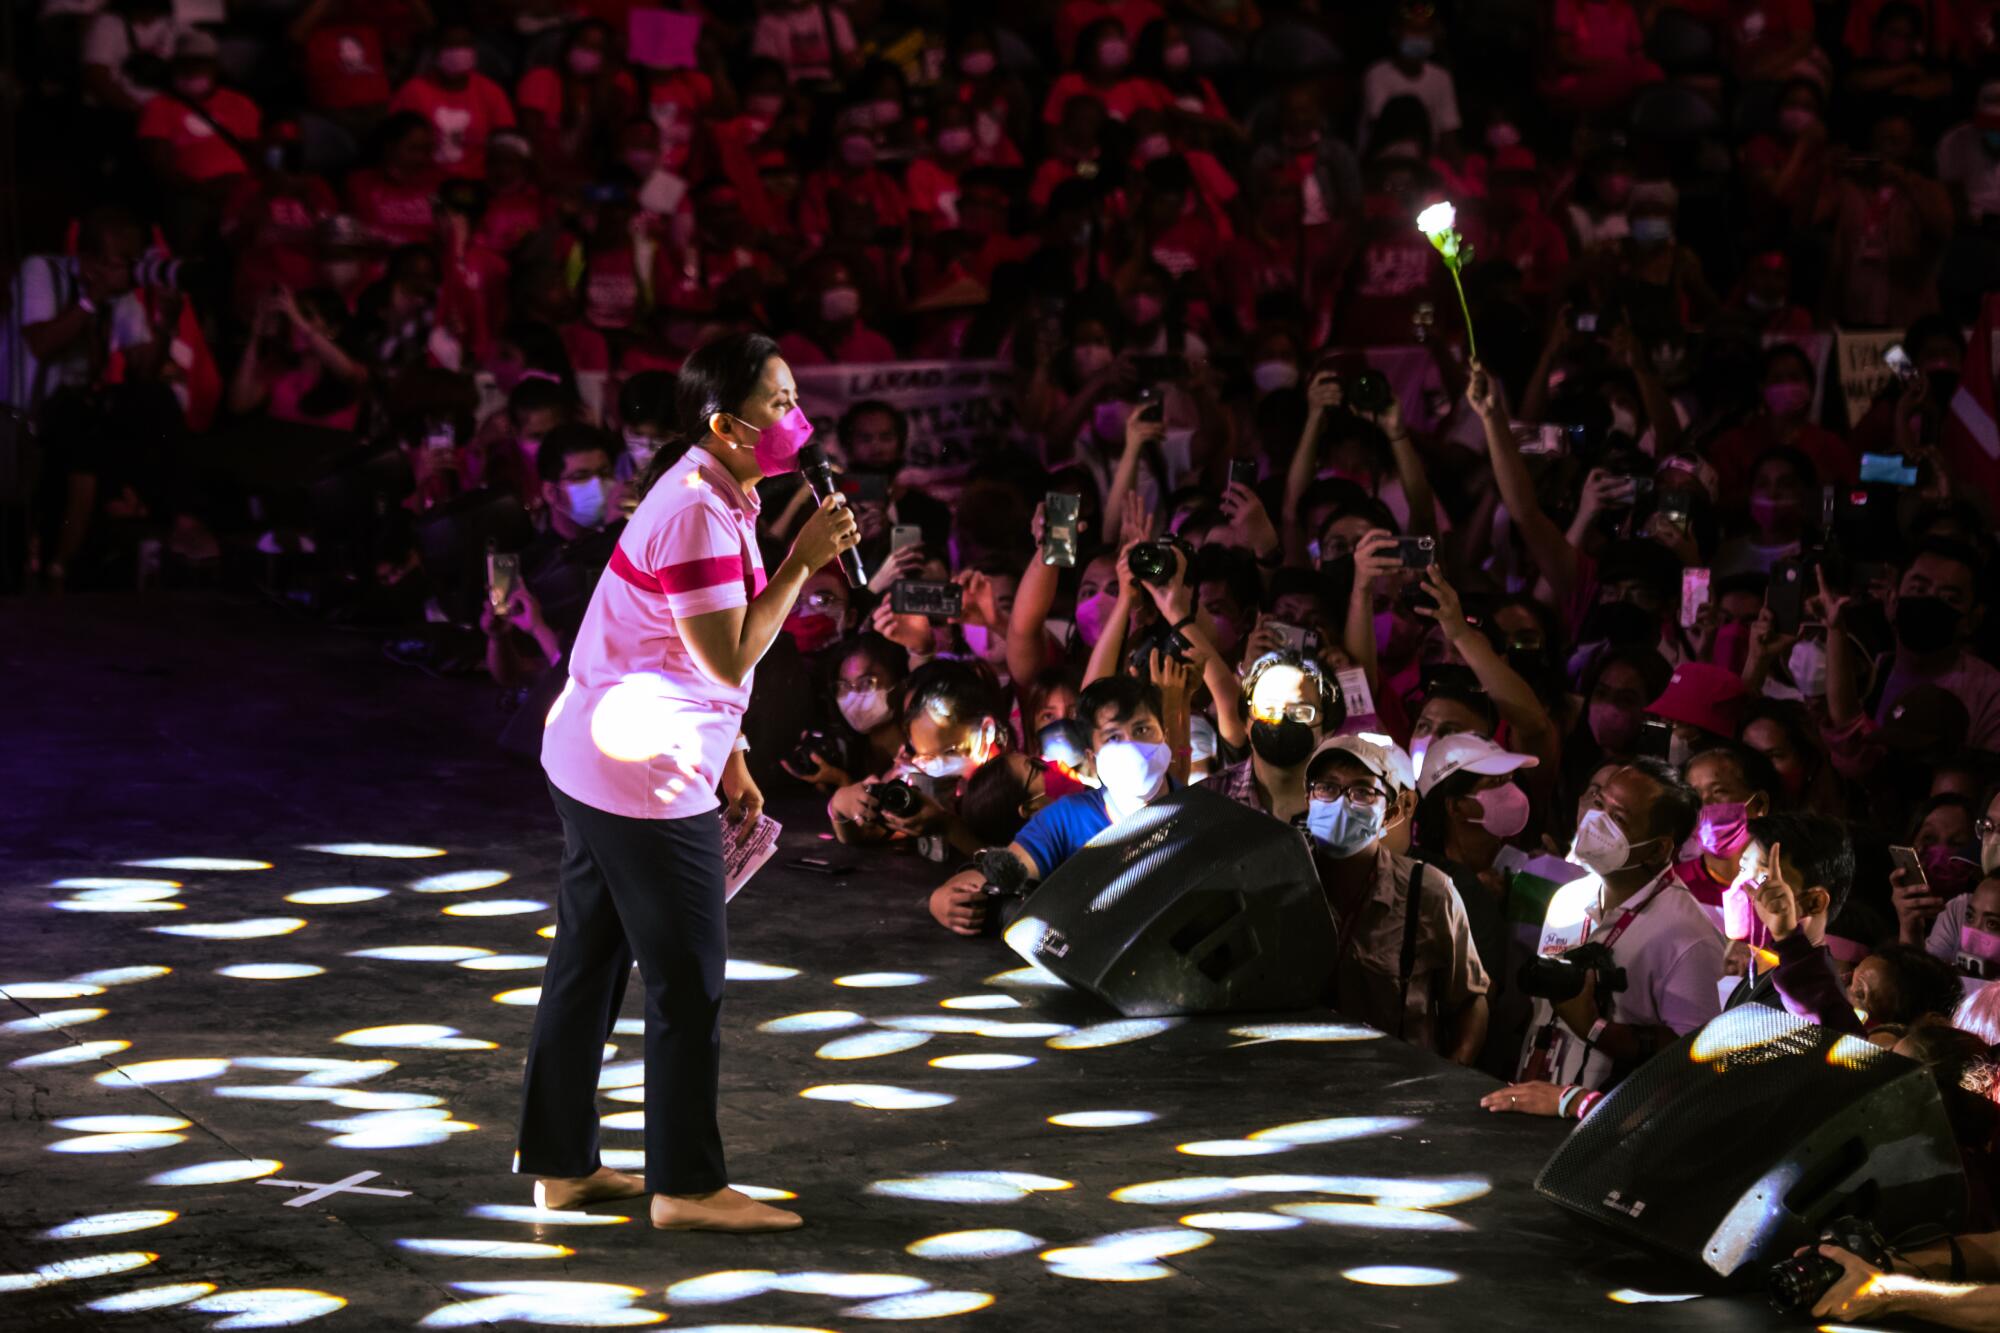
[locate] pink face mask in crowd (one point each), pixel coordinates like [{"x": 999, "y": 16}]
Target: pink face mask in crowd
[
  {"x": 1091, "y": 615},
  {"x": 812, "y": 630},
  {"x": 457, "y": 60},
  {"x": 1787, "y": 398},
  {"x": 1724, "y": 828},
  {"x": 976, "y": 64},
  {"x": 778, "y": 444},
  {"x": 585, "y": 60},
  {"x": 1503, "y": 810}
]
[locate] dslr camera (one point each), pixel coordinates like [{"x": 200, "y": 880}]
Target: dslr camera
[
  {"x": 1153, "y": 562},
  {"x": 1559, "y": 977},
  {"x": 812, "y": 749},
  {"x": 1796, "y": 1284},
  {"x": 896, "y": 797},
  {"x": 1366, "y": 391}
]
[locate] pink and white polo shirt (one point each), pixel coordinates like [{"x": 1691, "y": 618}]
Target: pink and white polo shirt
[{"x": 640, "y": 729}]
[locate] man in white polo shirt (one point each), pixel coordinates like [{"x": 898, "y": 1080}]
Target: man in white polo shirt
[{"x": 1670, "y": 952}]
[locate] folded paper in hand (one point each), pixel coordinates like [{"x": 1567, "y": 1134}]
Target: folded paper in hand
[{"x": 746, "y": 846}]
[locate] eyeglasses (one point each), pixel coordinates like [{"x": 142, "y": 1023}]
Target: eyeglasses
[
  {"x": 1306, "y": 713},
  {"x": 819, "y": 598},
  {"x": 1357, "y": 793},
  {"x": 1984, "y": 827},
  {"x": 860, "y": 684}
]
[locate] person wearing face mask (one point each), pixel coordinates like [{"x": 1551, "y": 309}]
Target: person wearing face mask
[
  {"x": 1631, "y": 903},
  {"x": 1735, "y": 785},
  {"x": 1936, "y": 608},
  {"x": 1784, "y": 489},
  {"x": 932, "y": 180},
  {"x": 463, "y": 106},
  {"x": 1764, "y": 297},
  {"x": 1131, "y": 756},
  {"x": 295, "y": 369},
  {"x": 830, "y": 328},
  {"x": 1471, "y": 806},
  {"x": 1968, "y": 156},
  {"x": 563, "y": 106},
  {"x": 1979, "y": 936},
  {"x": 952, "y": 721},
  {"x": 1410, "y": 72},
  {"x": 1128, "y": 18},
  {"x": 1291, "y": 706},
  {"x": 198, "y": 131},
  {"x": 1103, "y": 70},
  {"x": 641, "y": 748},
  {"x": 1665, "y": 272},
  {"x": 645, "y": 420},
  {"x": 856, "y": 182},
  {"x": 864, "y": 734},
  {"x": 1889, "y": 222},
  {"x": 1954, "y": 845},
  {"x": 1786, "y": 420},
  {"x": 1407, "y": 963},
  {"x": 1600, "y": 55},
  {"x": 1523, "y": 233}
]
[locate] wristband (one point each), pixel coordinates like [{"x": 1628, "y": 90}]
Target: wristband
[
  {"x": 1596, "y": 1031},
  {"x": 1586, "y": 1102},
  {"x": 742, "y": 745},
  {"x": 1567, "y": 1100},
  {"x": 1187, "y": 619}
]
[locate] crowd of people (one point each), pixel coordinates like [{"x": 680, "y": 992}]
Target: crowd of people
[{"x": 1634, "y": 632}]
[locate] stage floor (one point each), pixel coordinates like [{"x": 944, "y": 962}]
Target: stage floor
[{"x": 895, "y": 1079}]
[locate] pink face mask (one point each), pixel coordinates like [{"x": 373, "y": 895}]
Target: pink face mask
[
  {"x": 1787, "y": 397},
  {"x": 1091, "y": 615},
  {"x": 457, "y": 60},
  {"x": 585, "y": 60},
  {"x": 778, "y": 444},
  {"x": 1503, "y": 810},
  {"x": 1739, "y": 914},
  {"x": 812, "y": 630},
  {"x": 1143, "y": 308},
  {"x": 1724, "y": 828}
]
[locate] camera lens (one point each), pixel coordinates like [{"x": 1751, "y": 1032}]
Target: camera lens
[
  {"x": 1797, "y": 1283},
  {"x": 896, "y": 798},
  {"x": 1153, "y": 563}
]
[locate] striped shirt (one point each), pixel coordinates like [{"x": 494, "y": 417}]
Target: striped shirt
[{"x": 639, "y": 729}]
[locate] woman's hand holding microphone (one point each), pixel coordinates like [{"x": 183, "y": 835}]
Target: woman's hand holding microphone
[{"x": 829, "y": 531}]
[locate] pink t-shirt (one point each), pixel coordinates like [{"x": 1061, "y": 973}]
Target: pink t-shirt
[{"x": 639, "y": 729}]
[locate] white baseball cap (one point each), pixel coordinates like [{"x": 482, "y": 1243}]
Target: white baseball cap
[
  {"x": 1464, "y": 752},
  {"x": 1385, "y": 759}
]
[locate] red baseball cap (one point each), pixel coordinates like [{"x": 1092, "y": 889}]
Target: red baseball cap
[{"x": 1703, "y": 695}]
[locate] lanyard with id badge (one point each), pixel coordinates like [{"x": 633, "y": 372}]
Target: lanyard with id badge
[{"x": 1557, "y": 943}]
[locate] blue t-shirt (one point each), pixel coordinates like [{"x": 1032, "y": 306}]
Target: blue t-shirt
[{"x": 1059, "y": 829}]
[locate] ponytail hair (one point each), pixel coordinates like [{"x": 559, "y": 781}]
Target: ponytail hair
[{"x": 719, "y": 377}]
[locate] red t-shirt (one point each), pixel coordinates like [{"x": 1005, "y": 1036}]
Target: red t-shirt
[
  {"x": 1120, "y": 100},
  {"x": 463, "y": 118},
  {"x": 861, "y": 344},
  {"x": 274, "y": 236},
  {"x": 344, "y": 68},
  {"x": 932, "y": 188},
  {"x": 510, "y": 218},
  {"x": 200, "y": 154},
  {"x": 1077, "y": 15},
  {"x": 402, "y": 214},
  {"x": 875, "y": 188},
  {"x": 1735, "y": 452}
]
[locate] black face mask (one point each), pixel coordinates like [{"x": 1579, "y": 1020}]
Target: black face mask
[
  {"x": 1926, "y": 624},
  {"x": 1284, "y": 744}
]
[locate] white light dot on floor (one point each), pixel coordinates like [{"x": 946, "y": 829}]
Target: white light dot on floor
[
  {"x": 54, "y": 1019},
  {"x": 82, "y": 904},
  {"x": 1115, "y": 1033},
  {"x": 218, "y": 1173},
  {"x": 1337, "y": 1129},
  {"x": 496, "y": 907},
  {"x": 1240, "y": 1222},
  {"x": 1399, "y": 1275},
  {"x": 1372, "y": 1217},
  {"x": 626, "y": 1095},
  {"x": 70, "y": 1055},
  {"x": 335, "y": 895},
  {"x": 270, "y": 1307},
  {"x": 629, "y": 1027},
  {"x": 1231, "y": 1148},
  {"x": 505, "y": 962},
  {"x": 485, "y": 1249},
  {"x": 121, "y": 1124},
  {"x": 422, "y": 953},
  {"x": 737, "y": 969},
  {"x": 148, "y": 1072},
  {"x": 877, "y": 1097},
  {"x": 389, "y": 851},
  {"x": 623, "y": 1159},
  {"x": 421, "y": 1036},
  {"x": 992, "y": 1243},
  {"x": 98, "y": 883},
  {"x": 868, "y": 1045},
  {"x": 525, "y": 996},
  {"x": 819, "y": 1020},
  {"x": 118, "y": 1143},
  {"x": 849, "y": 1286},
  {"x": 121, "y": 976},
  {"x": 253, "y": 928},
  {"x": 151, "y": 1298},
  {"x": 198, "y": 863},
  {"x": 921, "y": 1305},
  {"x": 624, "y": 1120},
  {"x": 1631, "y": 1296},
  {"x": 980, "y": 1002},
  {"x": 722, "y": 1287},
  {"x": 876, "y": 980},
  {"x": 110, "y": 1224},
  {"x": 1263, "y": 1032},
  {"x": 461, "y": 881},
  {"x": 48, "y": 990},
  {"x": 1101, "y": 1119},
  {"x": 269, "y": 971},
  {"x": 982, "y": 1062},
  {"x": 544, "y": 1217}
]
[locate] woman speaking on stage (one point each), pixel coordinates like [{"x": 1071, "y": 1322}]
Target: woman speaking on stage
[{"x": 641, "y": 751}]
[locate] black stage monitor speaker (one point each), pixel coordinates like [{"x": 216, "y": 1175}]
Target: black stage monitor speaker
[
  {"x": 1196, "y": 904},
  {"x": 1735, "y": 1146}
]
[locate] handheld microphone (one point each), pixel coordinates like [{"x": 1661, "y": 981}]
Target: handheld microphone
[{"x": 819, "y": 479}]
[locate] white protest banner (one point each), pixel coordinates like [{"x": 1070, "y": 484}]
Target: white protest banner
[
  {"x": 1863, "y": 373},
  {"x": 952, "y": 406}
]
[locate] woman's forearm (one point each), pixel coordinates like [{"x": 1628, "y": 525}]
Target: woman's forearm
[{"x": 1110, "y": 645}]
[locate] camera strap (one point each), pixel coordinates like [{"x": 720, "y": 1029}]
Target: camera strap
[
  {"x": 1543, "y": 1059},
  {"x": 1412, "y": 901}
]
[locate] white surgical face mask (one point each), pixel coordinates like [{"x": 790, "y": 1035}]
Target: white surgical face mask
[
  {"x": 587, "y": 500},
  {"x": 1130, "y": 770},
  {"x": 944, "y": 766},
  {"x": 1600, "y": 844},
  {"x": 1807, "y": 663},
  {"x": 1345, "y": 827},
  {"x": 864, "y": 710},
  {"x": 839, "y": 304},
  {"x": 1271, "y": 376}
]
